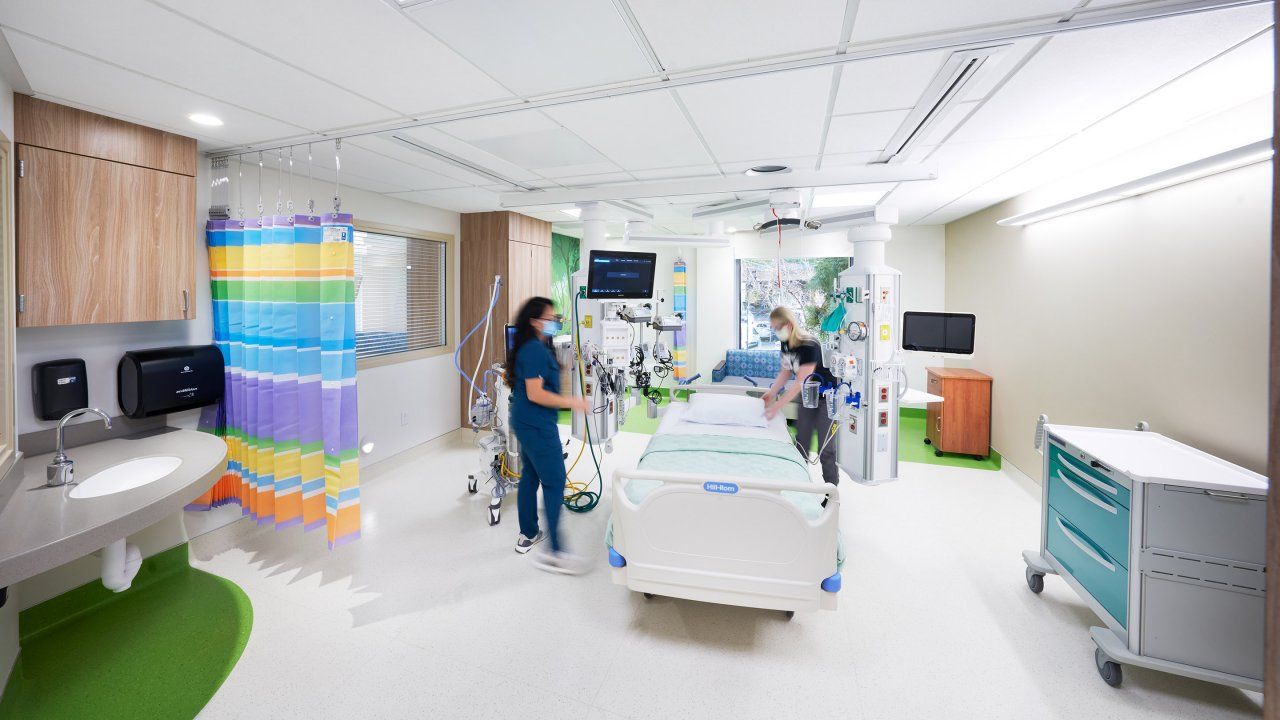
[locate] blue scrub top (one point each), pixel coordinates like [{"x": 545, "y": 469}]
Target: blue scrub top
[{"x": 534, "y": 359}]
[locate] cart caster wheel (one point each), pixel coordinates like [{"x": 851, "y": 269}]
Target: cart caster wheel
[
  {"x": 1110, "y": 671},
  {"x": 495, "y": 514},
  {"x": 937, "y": 453},
  {"x": 471, "y": 484},
  {"x": 790, "y": 614},
  {"x": 648, "y": 596},
  {"x": 1035, "y": 581},
  {"x": 979, "y": 458},
  {"x": 927, "y": 441}
]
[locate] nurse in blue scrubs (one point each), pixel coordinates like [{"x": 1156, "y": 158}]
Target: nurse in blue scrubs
[{"x": 534, "y": 376}]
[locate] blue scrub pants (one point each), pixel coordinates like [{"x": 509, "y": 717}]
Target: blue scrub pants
[{"x": 542, "y": 461}]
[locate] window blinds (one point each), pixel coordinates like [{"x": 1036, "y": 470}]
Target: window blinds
[{"x": 400, "y": 294}]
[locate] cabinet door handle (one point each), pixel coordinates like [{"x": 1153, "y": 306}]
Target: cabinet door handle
[
  {"x": 185, "y": 303},
  {"x": 1084, "y": 547},
  {"x": 1086, "y": 494},
  {"x": 1085, "y": 477},
  {"x": 937, "y": 424}
]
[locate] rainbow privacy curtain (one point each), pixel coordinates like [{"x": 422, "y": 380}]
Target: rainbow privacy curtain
[
  {"x": 679, "y": 354},
  {"x": 284, "y": 319}
]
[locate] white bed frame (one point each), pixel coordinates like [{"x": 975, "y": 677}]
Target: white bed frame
[{"x": 738, "y": 543}]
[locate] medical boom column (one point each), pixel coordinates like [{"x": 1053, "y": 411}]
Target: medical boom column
[
  {"x": 866, "y": 357},
  {"x": 601, "y": 343}
]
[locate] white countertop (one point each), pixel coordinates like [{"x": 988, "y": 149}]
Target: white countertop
[
  {"x": 43, "y": 527},
  {"x": 1152, "y": 457}
]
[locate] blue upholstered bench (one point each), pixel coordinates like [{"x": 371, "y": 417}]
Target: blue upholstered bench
[{"x": 744, "y": 366}]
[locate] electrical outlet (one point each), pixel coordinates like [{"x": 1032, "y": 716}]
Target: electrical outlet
[{"x": 404, "y": 419}]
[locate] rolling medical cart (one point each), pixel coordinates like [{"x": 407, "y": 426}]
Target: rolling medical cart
[{"x": 1166, "y": 544}]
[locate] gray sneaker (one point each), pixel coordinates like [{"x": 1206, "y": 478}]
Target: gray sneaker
[
  {"x": 560, "y": 562},
  {"x": 524, "y": 544}
]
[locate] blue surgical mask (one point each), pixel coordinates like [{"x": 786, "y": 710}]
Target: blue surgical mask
[{"x": 550, "y": 327}]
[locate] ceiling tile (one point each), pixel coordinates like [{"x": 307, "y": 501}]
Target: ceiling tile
[
  {"x": 539, "y": 46},
  {"x": 678, "y": 30},
  {"x": 887, "y": 83},
  {"x": 69, "y": 77},
  {"x": 569, "y": 171},
  {"x": 672, "y": 173},
  {"x": 594, "y": 180},
  {"x": 411, "y": 71},
  {"x": 459, "y": 200},
  {"x": 635, "y": 131},
  {"x": 148, "y": 39},
  {"x": 848, "y": 159},
  {"x": 551, "y": 148},
  {"x": 772, "y": 115},
  {"x": 434, "y": 138},
  {"x": 806, "y": 162},
  {"x": 863, "y": 133},
  {"x": 880, "y": 19},
  {"x": 1076, "y": 79},
  {"x": 498, "y": 126}
]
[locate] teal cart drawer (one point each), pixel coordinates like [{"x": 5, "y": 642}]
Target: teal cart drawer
[
  {"x": 1101, "y": 519},
  {"x": 1100, "y": 575},
  {"x": 1075, "y": 467}
]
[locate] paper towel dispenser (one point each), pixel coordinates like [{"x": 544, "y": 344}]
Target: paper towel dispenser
[{"x": 165, "y": 380}]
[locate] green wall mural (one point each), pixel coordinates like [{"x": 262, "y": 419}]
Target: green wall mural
[{"x": 564, "y": 262}]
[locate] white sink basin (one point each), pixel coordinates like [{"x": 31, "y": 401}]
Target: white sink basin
[{"x": 126, "y": 476}]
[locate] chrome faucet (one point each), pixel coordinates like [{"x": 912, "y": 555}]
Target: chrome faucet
[{"x": 60, "y": 471}]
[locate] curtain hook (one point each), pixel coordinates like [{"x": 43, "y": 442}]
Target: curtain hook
[
  {"x": 337, "y": 175},
  {"x": 260, "y": 206},
  {"x": 290, "y": 205}
]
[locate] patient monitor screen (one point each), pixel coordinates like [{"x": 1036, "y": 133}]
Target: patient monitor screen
[
  {"x": 616, "y": 275},
  {"x": 938, "y": 332}
]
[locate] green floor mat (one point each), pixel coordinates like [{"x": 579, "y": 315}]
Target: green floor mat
[
  {"x": 158, "y": 650},
  {"x": 911, "y": 446}
]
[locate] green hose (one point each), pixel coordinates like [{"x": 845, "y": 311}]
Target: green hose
[{"x": 584, "y": 500}]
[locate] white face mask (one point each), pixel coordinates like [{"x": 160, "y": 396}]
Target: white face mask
[{"x": 783, "y": 333}]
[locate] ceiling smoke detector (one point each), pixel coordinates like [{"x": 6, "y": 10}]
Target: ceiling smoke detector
[{"x": 768, "y": 170}]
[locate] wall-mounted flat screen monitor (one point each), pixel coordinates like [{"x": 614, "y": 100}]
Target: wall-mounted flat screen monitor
[
  {"x": 938, "y": 332},
  {"x": 617, "y": 275}
]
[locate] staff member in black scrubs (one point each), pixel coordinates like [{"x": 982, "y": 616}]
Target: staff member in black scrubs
[{"x": 802, "y": 357}]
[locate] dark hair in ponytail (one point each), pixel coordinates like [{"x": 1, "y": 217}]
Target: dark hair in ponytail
[{"x": 532, "y": 309}]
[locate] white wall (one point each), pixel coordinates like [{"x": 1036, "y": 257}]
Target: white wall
[
  {"x": 1152, "y": 308},
  {"x": 918, "y": 251}
]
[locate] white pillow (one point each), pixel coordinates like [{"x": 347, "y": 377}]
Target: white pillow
[{"x": 718, "y": 409}]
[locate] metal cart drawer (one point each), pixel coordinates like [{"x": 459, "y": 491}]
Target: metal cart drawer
[
  {"x": 1100, "y": 575},
  {"x": 1061, "y": 459},
  {"x": 1202, "y": 626},
  {"x": 1101, "y": 518},
  {"x": 1225, "y": 525}
]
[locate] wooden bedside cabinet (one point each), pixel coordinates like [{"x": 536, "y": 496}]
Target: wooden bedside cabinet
[{"x": 960, "y": 424}]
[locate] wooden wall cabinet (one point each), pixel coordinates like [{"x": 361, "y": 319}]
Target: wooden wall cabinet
[
  {"x": 106, "y": 227},
  {"x": 509, "y": 244},
  {"x": 962, "y": 422}
]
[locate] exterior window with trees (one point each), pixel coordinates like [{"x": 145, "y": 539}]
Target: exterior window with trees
[{"x": 801, "y": 284}]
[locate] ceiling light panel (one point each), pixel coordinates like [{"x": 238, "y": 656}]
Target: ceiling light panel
[
  {"x": 392, "y": 75},
  {"x": 775, "y": 115},
  {"x": 147, "y": 39},
  {"x": 539, "y": 46},
  {"x": 677, "y": 29},
  {"x": 636, "y": 131},
  {"x": 880, "y": 19},
  {"x": 470, "y": 153}
]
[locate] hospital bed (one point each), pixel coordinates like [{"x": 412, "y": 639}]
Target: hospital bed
[{"x": 725, "y": 514}]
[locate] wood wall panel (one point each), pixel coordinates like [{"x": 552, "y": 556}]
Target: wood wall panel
[
  {"x": 58, "y": 127},
  {"x": 102, "y": 242},
  {"x": 498, "y": 243}
]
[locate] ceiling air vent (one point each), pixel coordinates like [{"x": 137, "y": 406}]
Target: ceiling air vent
[{"x": 943, "y": 91}]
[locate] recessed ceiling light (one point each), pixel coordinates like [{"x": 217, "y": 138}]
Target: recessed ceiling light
[
  {"x": 205, "y": 119},
  {"x": 572, "y": 212},
  {"x": 768, "y": 170},
  {"x": 732, "y": 230}
]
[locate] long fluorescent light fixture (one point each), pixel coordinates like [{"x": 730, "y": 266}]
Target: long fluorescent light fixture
[
  {"x": 687, "y": 241},
  {"x": 454, "y": 160},
  {"x": 1246, "y": 155},
  {"x": 959, "y": 69}
]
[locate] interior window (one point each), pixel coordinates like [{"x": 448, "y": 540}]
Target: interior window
[
  {"x": 400, "y": 294},
  {"x": 800, "y": 284}
]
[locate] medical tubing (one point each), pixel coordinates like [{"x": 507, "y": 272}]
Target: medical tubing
[
  {"x": 492, "y": 301},
  {"x": 484, "y": 341},
  {"x": 588, "y": 498}
]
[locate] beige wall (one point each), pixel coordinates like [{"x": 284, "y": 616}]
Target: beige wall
[{"x": 1152, "y": 308}]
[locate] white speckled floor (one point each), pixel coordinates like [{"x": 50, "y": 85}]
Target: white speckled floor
[{"x": 431, "y": 614}]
